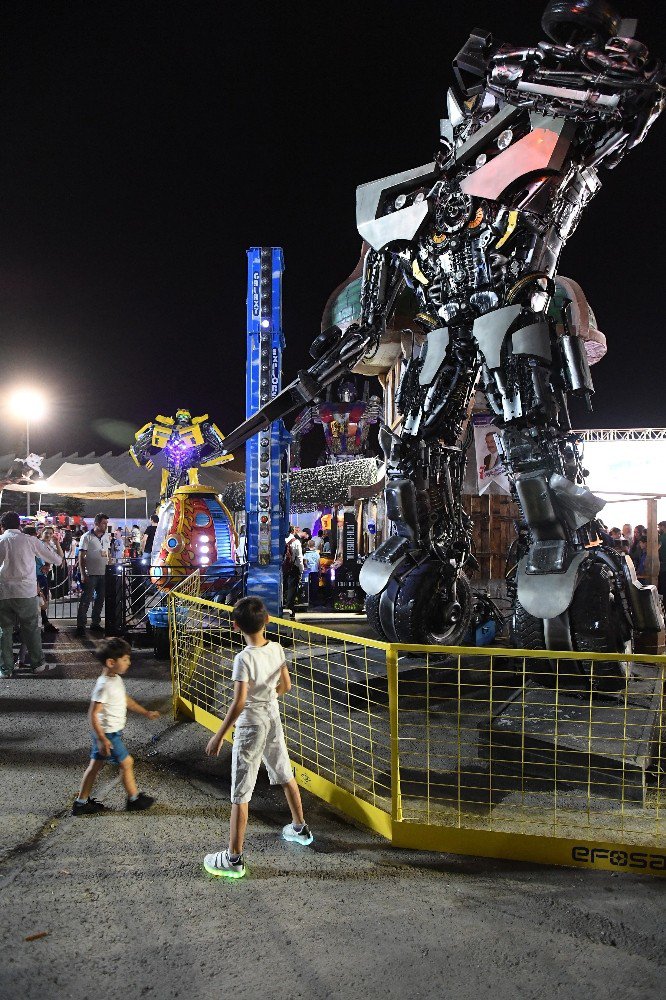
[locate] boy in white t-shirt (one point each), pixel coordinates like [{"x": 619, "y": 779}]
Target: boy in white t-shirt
[
  {"x": 260, "y": 675},
  {"x": 108, "y": 712}
]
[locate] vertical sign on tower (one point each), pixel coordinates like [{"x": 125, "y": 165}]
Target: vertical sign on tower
[{"x": 266, "y": 493}]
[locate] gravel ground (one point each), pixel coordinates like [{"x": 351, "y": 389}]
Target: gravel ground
[{"x": 128, "y": 910}]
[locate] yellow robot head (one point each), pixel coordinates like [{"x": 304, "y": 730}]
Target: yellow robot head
[{"x": 183, "y": 417}]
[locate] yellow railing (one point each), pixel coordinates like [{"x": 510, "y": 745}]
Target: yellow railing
[{"x": 518, "y": 754}]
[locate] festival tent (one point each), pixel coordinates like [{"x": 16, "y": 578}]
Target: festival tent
[{"x": 85, "y": 482}]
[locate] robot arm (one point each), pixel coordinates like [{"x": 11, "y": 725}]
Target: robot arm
[
  {"x": 615, "y": 87},
  {"x": 304, "y": 423},
  {"x": 143, "y": 448},
  {"x": 215, "y": 452},
  {"x": 334, "y": 353}
]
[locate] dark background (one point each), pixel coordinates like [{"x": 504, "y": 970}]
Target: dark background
[{"x": 145, "y": 146}]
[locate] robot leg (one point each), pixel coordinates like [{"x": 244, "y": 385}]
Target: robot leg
[
  {"x": 568, "y": 595},
  {"x": 417, "y": 591}
]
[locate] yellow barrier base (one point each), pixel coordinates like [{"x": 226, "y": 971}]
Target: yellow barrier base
[{"x": 595, "y": 855}]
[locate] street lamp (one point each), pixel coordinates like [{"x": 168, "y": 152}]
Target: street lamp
[{"x": 27, "y": 404}]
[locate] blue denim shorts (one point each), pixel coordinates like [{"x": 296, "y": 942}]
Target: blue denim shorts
[{"x": 118, "y": 749}]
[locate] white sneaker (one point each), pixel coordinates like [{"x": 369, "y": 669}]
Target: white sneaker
[
  {"x": 44, "y": 668},
  {"x": 220, "y": 864},
  {"x": 302, "y": 836}
]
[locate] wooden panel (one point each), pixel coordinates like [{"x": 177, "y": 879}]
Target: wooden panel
[{"x": 493, "y": 531}]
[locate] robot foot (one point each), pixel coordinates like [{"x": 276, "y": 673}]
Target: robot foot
[
  {"x": 594, "y": 623},
  {"x": 425, "y": 606}
]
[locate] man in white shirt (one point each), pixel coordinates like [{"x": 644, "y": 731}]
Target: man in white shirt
[
  {"x": 18, "y": 591},
  {"x": 93, "y": 560}
]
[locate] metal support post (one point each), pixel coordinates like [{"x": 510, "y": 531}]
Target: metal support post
[{"x": 392, "y": 675}]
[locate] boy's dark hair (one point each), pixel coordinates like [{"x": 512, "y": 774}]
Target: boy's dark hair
[
  {"x": 10, "y": 519},
  {"x": 30, "y": 529},
  {"x": 250, "y": 615},
  {"x": 154, "y": 518},
  {"x": 111, "y": 649},
  {"x": 101, "y": 517}
]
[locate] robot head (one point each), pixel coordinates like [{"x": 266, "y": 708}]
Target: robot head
[
  {"x": 183, "y": 417},
  {"x": 346, "y": 392},
  {"x": 576, "y": 23}
]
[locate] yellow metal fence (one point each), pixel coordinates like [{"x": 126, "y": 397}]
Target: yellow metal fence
[{"x": 504, "y": 753}]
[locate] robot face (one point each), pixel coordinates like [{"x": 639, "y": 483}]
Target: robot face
[
  {"x": 347, "y": 392},
  {"x": 183, "y": 417}
]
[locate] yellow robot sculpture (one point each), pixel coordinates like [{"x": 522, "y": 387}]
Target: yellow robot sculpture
[
  {"x": 195, "y": 529},
  {"x": 187, "y": 443}
]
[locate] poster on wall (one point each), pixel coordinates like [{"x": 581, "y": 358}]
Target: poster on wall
[{"x": 489, "y": 467}]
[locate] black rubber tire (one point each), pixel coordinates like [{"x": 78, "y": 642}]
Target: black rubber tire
[
  {"x": 526, "y": 630},
  {"x": 422, "y": 600},
  {"x": 565, "y": 21},
  {"x": 372, "y": 614},
  {"x": 590, "y": 604},
  {"x": 597, "y": 626}
]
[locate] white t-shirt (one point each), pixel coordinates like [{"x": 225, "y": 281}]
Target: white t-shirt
[
  {"x": 97, "y": 554},
  {"x": 260, "y": 667},
  {"x": 110, "y": 691}
]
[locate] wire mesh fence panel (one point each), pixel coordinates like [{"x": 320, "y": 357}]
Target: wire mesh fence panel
[
  {"x": 335, "y": 717},
  {"x": 534, "y": 743},
  {"x": 476, "y": 743}
]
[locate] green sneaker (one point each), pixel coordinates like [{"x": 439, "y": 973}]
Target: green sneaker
[{"x": 220, "y": 863}]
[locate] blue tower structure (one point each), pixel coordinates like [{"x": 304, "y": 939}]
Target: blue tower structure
[{"x": 266, "y": 463}]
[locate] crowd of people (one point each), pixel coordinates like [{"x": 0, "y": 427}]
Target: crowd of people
[
  {"x": 634, "y": 543},
  {"x": 37, "y": 558},
  {"x": 302, "y": 555}
]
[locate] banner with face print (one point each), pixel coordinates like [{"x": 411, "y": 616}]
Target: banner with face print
[{"x": 489, "y": 467}]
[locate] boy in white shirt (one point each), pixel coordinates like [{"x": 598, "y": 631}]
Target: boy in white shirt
[
  {"x": 108, "y": 712},
  {"x": 260, "y": 675}
]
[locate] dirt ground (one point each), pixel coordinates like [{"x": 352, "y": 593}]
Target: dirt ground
[{"x": 127, "y": 910}]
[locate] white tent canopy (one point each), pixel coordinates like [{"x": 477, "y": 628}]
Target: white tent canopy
[{"x": 86, "y": 482}]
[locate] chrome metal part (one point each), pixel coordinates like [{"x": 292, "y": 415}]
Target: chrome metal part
[{"x": 549, "y": 594}]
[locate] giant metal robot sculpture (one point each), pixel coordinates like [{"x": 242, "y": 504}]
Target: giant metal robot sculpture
[{"x": 477, "y": 235}]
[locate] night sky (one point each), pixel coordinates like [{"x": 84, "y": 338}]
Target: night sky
[{"x": 145, "y": 146}]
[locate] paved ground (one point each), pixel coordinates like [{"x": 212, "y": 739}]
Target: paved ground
[{"x": 129, "y": 911}]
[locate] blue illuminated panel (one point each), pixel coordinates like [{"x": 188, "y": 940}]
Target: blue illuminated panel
[{"x": 266, "y": 515}]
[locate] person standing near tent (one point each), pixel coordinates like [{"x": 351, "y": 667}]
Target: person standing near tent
[
  {"x": 18, "y": 591},
  {"x": 93, "y": 560}
]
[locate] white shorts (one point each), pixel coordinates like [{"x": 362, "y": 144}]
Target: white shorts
[{"x": 252, "y": 744}]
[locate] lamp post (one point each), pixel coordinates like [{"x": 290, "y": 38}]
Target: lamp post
[{"x": 27, "y": 404}]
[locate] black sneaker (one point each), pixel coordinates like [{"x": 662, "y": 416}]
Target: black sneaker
[
  {"x": 97, "y": 629},
  {"x": 89, "y": 807},
  {"x": 80, "y": 632},
  {"x": 50, "y": 628},
  {"x": 142, "y": 801}
]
